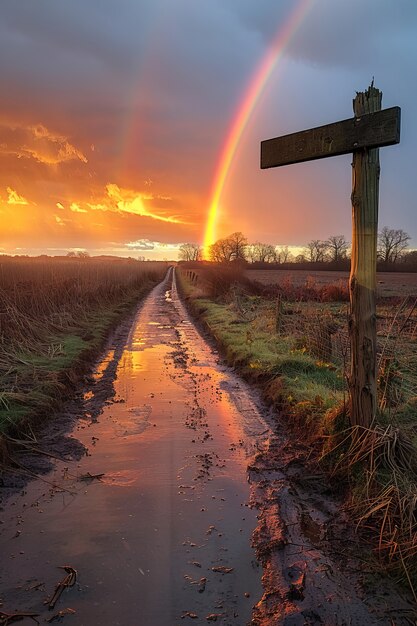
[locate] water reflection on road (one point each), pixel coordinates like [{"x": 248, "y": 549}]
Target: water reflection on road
[{"x": 165, "y": 533}]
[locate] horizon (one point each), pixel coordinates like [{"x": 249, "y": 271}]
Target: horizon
[{"x": 72, "y": 254}]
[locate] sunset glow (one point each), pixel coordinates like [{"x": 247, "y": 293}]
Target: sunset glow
[{"x": 144, "y": 124}]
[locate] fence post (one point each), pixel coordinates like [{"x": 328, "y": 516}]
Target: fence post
[{"x": 362, "y": 282}]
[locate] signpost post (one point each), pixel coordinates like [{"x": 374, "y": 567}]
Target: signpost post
[{"x": 362, "y": 135}]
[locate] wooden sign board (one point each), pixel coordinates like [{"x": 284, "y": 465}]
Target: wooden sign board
[{"x": 372, "y": 130}]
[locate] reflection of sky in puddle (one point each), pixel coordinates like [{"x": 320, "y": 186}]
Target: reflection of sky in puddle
[
  {"x": 122, "y": 478},
  {"x": 102, "y": 365},
  {"x": 134, "y": 420},
  {"x": 138, "y": 343},
  {"x": 131, "y": 361},
  {"x": 139, "y": 394}
]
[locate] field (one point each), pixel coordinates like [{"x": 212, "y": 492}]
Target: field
[
  {"x": 396, "y": 326},
  {"x": 54, "y": 316},
  {"x": 388, "y": 283}
]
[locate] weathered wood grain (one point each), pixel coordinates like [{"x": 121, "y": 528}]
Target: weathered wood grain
[
  {"x": 371, "y": 130},
  {"x": 362, "y": 282}
]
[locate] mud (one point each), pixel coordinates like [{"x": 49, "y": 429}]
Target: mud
[{"x": 176, "y": 494}]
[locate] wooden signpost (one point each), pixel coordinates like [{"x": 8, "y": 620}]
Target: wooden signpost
[{"x": 362, "y": 135}]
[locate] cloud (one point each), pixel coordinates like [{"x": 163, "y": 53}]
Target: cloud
[
  {"x": 264, "y": 16},
  {"x": 75, "y": 208},
  {"x": 38, "y": 143},
  {"x": 158, "y": 247},
  {"x": 332, "y": 34},
  {"x": 15, "y": 198},
  {"x": 134, "y": 202},
  {"x": 141, "y": 244}
]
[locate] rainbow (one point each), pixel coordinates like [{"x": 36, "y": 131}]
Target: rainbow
[{"x": 252, "y": 95}]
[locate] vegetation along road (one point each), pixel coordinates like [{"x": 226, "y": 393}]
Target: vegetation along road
[{"x": 173, "y": 500}]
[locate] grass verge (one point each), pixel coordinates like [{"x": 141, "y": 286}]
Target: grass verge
[
  {"x": 376, "y": 468},
  {"x": 290, "y": 377}
]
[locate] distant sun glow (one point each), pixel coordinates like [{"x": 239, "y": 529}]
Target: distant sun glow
[{"x": 253, "y": 93}]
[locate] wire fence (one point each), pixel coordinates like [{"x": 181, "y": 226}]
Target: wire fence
[{"x": 321, "y": 329}]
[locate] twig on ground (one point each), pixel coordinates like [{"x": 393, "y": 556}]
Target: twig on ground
[
  {"x": 9, "y": 618},
  {"x": 68, "y": 581}
]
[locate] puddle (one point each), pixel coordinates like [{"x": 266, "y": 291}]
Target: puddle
[{"x": 102, "y": 365}]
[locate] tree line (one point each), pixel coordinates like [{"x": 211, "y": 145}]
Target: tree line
[{"x": 392, "y": 250}]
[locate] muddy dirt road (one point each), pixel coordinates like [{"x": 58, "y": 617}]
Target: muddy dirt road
[
  {"x": 155, "y": 517},
  {"x": 165, "y": 533}
]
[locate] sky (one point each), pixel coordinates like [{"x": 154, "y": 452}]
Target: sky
[{"x": 115, "y": 116}]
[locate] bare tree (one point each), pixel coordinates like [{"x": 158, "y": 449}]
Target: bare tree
[
  {"x": 337, "y": 247},
  {"x": 301, "y": 258},
  {"x": 410, "y": 258},
  {"x": 261, "y": 252},
  {"x": 316, "y": 250},
  {"x": 190, "y": 252},
  {"x": 391, "y": 244},
  {"x": 283, "y": 255},
  {"x": 220, "y": 251},
  {"x": 238, "y": 243},
  {"x": 232, "y": 248}
]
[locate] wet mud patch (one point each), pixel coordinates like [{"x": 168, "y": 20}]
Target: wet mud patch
[
  {"x": 179, "y": 358},
  {"x": 307, "y": 550}
]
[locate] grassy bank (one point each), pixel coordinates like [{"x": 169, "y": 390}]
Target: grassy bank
[
  {"x": 287, "y": 346},
  {"x": 291, "y": 378},
  {"x": 55, "y": 316}
]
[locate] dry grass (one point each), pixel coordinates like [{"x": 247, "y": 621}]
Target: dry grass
[
  {"x": 54, "y": 312},
  {"x": 38, "y": 296},
  {"x": 389, "y": 284},
  {"x": 218, "y": 280},
  {"x": 383, "y": 465}
]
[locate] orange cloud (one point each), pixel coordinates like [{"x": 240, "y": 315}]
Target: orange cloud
[
  {"x": 15, "y": 198},
  {"x": 75, "y": 208},
  {"x": 38, "y": 143},
  {"x": 59, "y": 220},
  {"x": 133, "y": 202}
]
